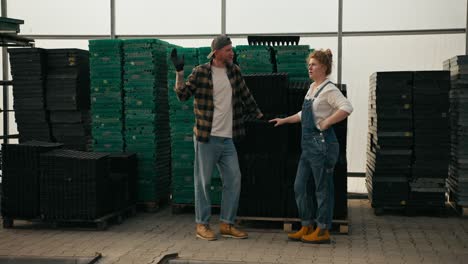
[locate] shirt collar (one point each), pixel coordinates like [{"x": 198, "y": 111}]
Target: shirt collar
[{"x": 309, "y": 93}]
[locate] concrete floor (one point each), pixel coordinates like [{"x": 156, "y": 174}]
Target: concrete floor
[{"x": 146, "y": 237}]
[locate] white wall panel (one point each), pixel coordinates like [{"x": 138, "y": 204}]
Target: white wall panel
[
  {"x": 168, "y": 17},
  {"x": 62, "y": 16},
  {"x": 276, "y": 16},
  {"x": 364, "y": 15}
]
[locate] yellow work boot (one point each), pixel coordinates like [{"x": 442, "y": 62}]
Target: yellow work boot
[
  {"x": 305, "y": 230},
  {"x": 228, "y": 230},
  {"x": 319, "y": 236},
  {"x": 205, "y": 232}
]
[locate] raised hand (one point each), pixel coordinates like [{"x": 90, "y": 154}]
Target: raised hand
[{"x": 177, "y": 61}]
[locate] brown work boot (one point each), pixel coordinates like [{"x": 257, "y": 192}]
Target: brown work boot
[
  {"x": 228, "y": 230},
  {"x": 205, "y": 232},
  {"x": 305, "y": 230},
  {"x": 319, "y": 236}
]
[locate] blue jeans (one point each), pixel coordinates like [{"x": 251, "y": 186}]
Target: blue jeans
[
  {"x": 313, "y": 186},
  {"x": 221, "y": 152}
]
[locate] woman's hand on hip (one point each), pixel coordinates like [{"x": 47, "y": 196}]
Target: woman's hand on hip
[{"x": 324, "y": 125}]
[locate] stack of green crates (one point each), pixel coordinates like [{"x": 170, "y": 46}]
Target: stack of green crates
[
  {"x": 147, "y": 129},
  {"x": 182, "y": 120},
  {"x": 106, "y": 95},
  {"x": 292, "y": 60},
  {"x": 254, "y": 59},
  {"x": 202, "y": 54}
]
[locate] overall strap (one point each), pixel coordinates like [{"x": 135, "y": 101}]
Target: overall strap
[{"x": 320, "y": 90}]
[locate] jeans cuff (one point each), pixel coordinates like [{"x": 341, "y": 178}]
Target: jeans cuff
[
  {"x": 306, "y": 222},
  {"x": 322, "y": 226},
  {"x": 226, "y": 221}
]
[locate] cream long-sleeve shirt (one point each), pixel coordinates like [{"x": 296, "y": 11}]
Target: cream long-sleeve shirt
[{"x": 327, "y": 103}]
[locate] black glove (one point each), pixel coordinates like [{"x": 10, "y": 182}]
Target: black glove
[{"x": 177, "y": 61}]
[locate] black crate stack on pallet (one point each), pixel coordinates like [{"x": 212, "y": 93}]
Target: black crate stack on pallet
[
  {"x": 408, "y": 143},
  {"x": 68, "y": 97},
  {"x": 74, "y": 185},
  {"x": 29, "y": 70},
  {"x": 107, "y": 108},
  {"x": 261, "y": 153},
  {"x": 457, "y": 181},
  {"x": 340, "y": 177},
  {"x": 147, "y": 130},
  {"x": 390, "y": 139},
  {"x": 263, "y": 168},
  {"x": 431, "y": 140},
  {"x": 20, "y": 179},
  {"x": 123, "y": 179}
]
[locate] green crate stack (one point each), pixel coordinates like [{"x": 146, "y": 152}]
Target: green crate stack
[
  {"x": 182, "y": 120},
  {"x": 106, "y": 61},
  {"x": 254, "y": 59},
  {"x": 147, "y": 131},
  {"x": 202, "y": 53},
  {"x": 292, "y": 60}
]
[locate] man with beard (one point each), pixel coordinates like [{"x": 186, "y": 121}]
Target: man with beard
[{"x": 221, "y": 98}]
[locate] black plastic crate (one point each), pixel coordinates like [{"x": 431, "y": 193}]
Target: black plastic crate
[
  {"x": 270, "y": 92},
  {"x": 123, "y": 176},
  {"x": 262, "y": 191},
  {"x": 74, "y": 185},
  {"x": 20, "y": 179},
  {"x": 263, "y": 137}
]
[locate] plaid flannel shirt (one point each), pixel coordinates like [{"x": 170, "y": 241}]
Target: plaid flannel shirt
[{"x": 200, "y": 85}]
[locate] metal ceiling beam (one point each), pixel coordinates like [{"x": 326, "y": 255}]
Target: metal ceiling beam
[
  {"x": 244, "y": 35},
  {"x": 112, "y": 19},
  {"x": 223, "y": 16}
]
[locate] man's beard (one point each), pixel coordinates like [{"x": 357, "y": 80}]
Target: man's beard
[{"x": 228, "y": 62}]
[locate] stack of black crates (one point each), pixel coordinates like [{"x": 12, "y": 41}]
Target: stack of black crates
[
  {"x": 407, "y": 155},
  {"x": 457, "y": 181},
  {"x": 20, "y": 179},
  {"x": 74, "y": 185},
  {"x": 431, "y": 140},
  {"x": 42, "y": 181},
  {"x": 262, "y": 152},
  {"x": 390, "y": 139},
  {"x": 68, "y": 99},
  {"x": 29, "y": 70},
  {"x": 51, "y": 95}
]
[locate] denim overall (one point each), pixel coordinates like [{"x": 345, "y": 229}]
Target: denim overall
[{"x": 313, "y": 186}]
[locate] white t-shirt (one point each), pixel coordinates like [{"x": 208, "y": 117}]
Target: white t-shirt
[
  {"x": 327, "y": 103},
  {"x": 222, "y": 100}
]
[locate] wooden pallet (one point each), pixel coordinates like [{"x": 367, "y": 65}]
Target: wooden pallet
[
  {"x": 461, "y": 210},
  {"x": 101, "y": 223},
  {"x": 410, "y": 211},
  {"x": 180, "y": 208},
  {"x": 153, "y": 206},
  {"x": 340, "y": 226}
]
